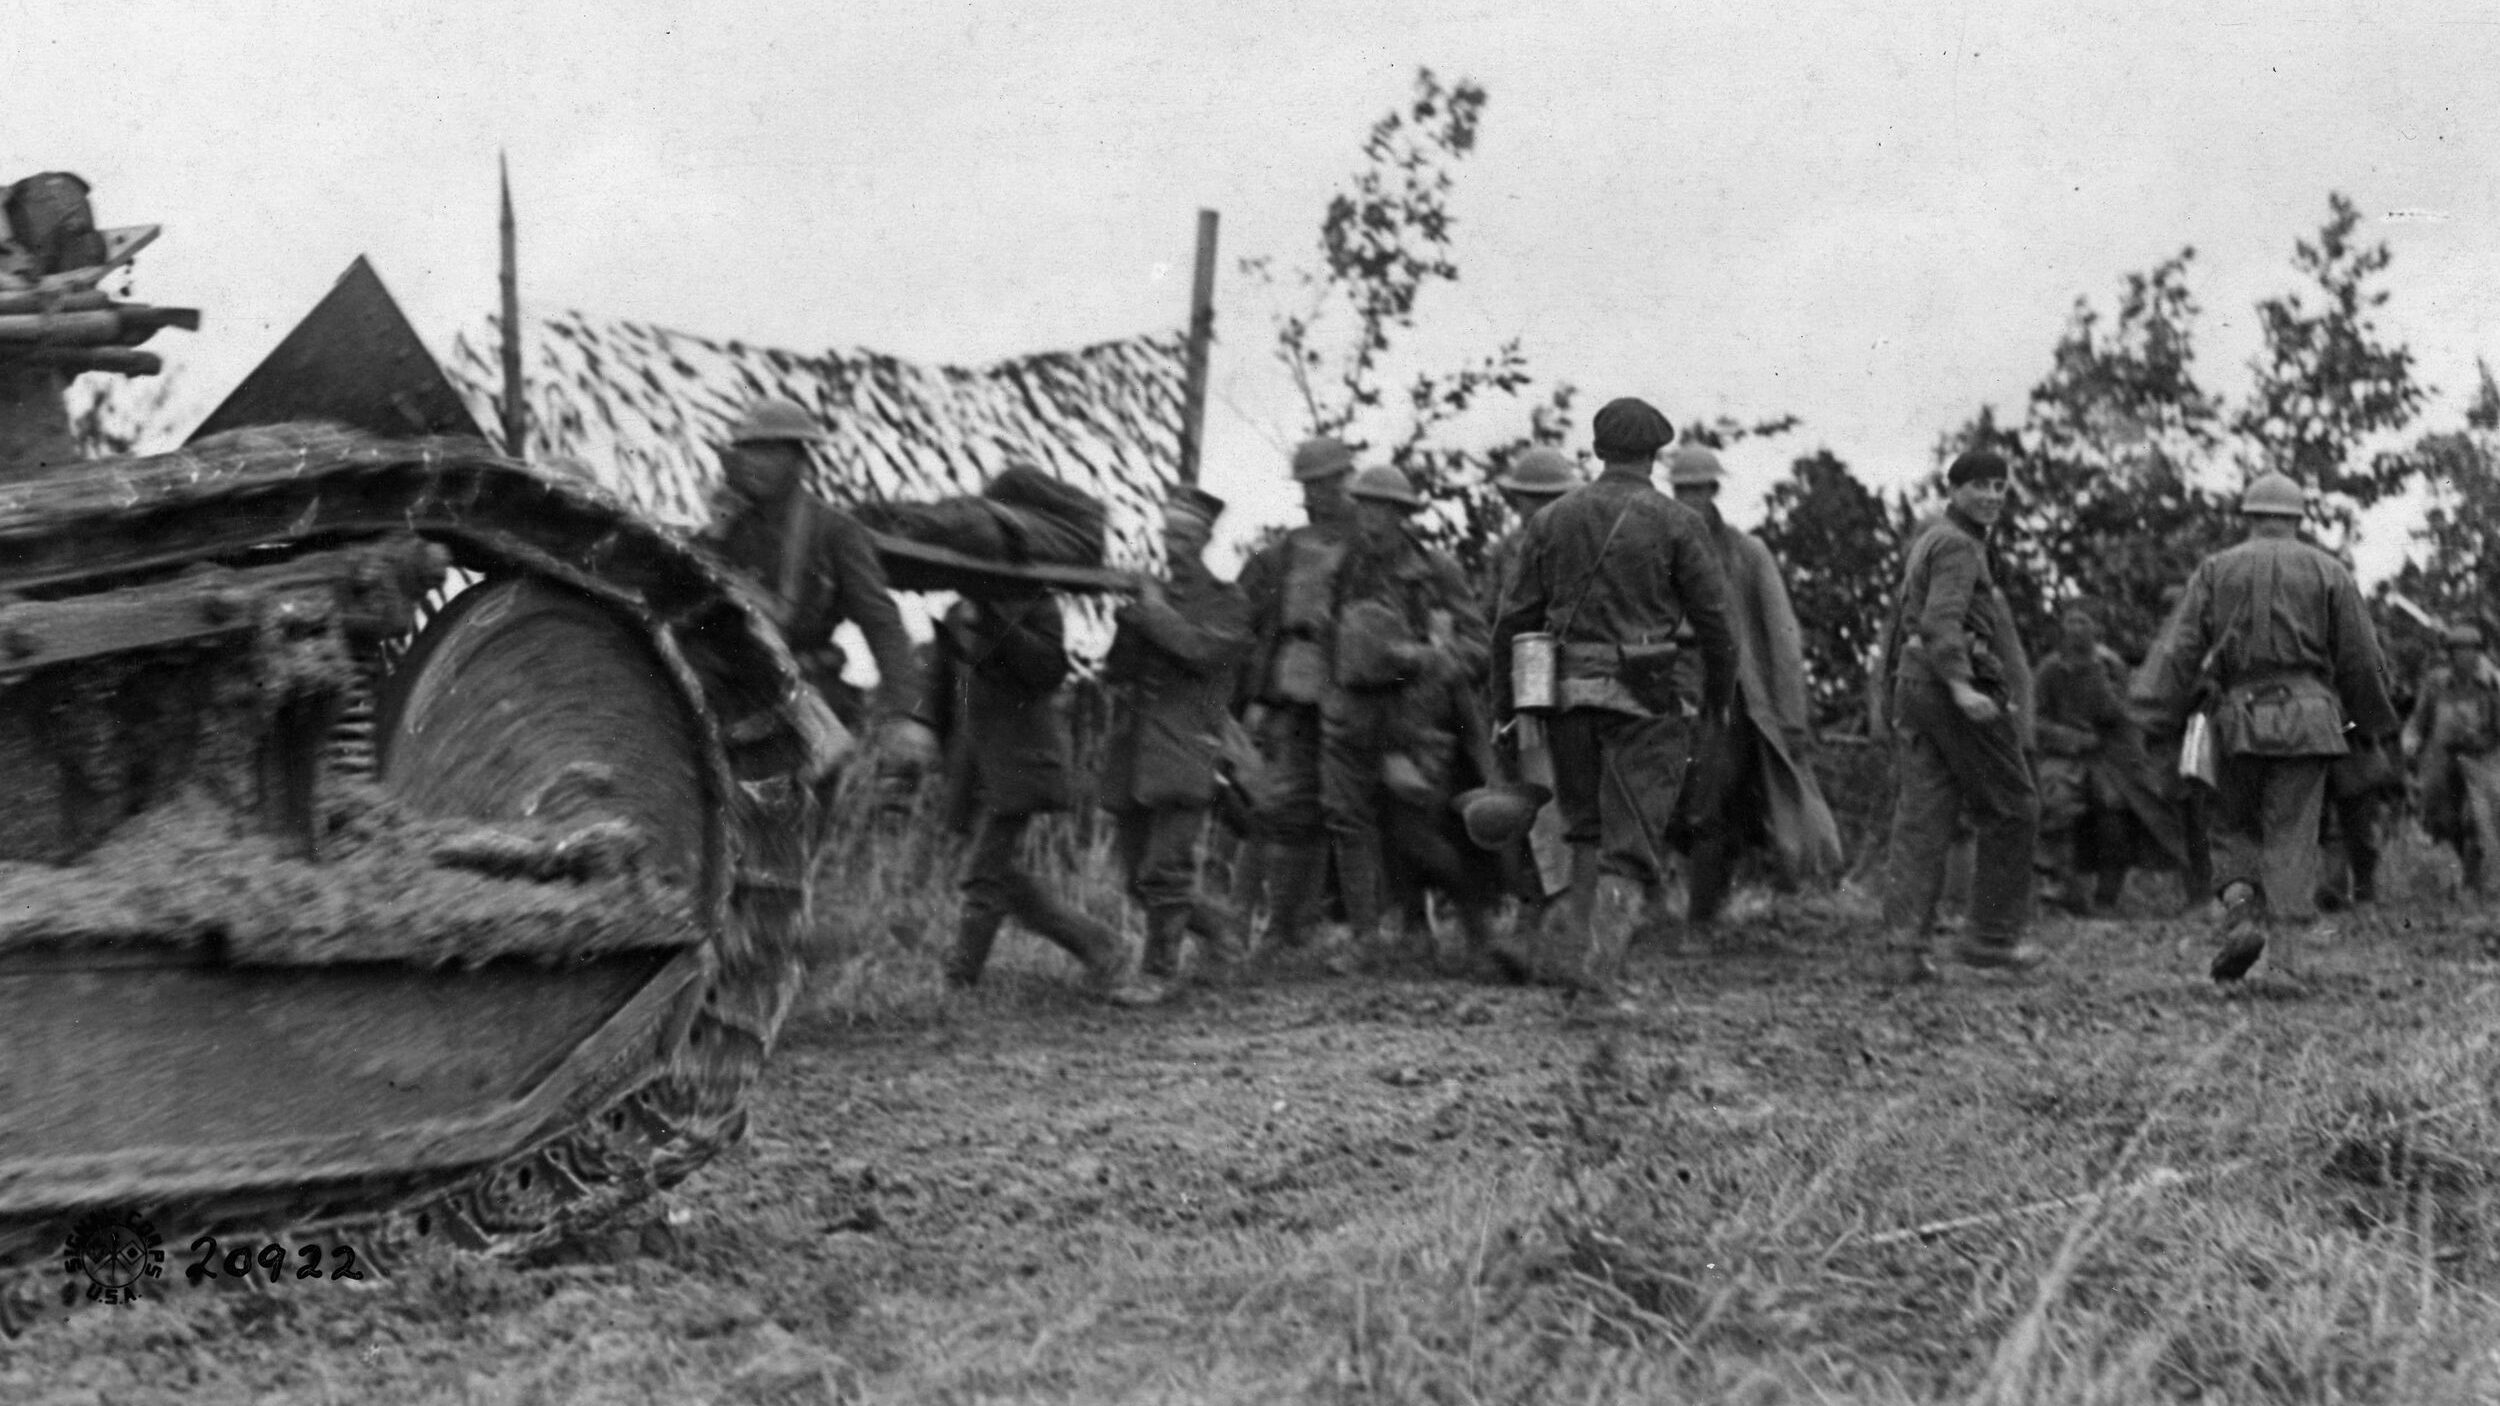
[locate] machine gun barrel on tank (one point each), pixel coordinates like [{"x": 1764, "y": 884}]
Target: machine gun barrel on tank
[{"x": 114, "y": 324}]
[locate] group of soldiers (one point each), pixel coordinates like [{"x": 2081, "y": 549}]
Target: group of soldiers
[
  {"x": 1623, "y": 683},
  {"x": 2267, "y": 678}
]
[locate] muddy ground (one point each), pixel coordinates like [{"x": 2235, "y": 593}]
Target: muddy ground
[{"x": 1021, "y": 1195}]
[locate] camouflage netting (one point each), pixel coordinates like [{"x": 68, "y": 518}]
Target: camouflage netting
[{"x": 640, "y": 409}]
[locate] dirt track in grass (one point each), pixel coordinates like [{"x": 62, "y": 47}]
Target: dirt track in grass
[{"x": 1313, "y": 1187}]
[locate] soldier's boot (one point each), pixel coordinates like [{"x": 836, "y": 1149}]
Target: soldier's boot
[
  {"x": 1165, "y": 930},
  {"x": 2107, "y": 889},
  {"x": 2243, "y": 932},
  {"x": 1297, "y": 875},
  {"x": 1360, "y": 882},
  {"x": 1105, "y": 954},
  {"x": 1909, "y": 961},
  {"x": 1571, "y": 924},
  {"x": 1223, "y": 937},
  {"x": 2365, "y": 877},
  {"x": 1619, "y": 911},
  {"x": 975, "y": 934},
  {"x": 1474, "y": 953}
]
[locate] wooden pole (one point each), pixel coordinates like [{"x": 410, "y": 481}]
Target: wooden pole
[
  {"x": 1201, "y": 337},
  {"x": 516, "y": 415}
]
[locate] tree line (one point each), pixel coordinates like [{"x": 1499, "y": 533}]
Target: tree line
[{"x": 2127, "y": 469}]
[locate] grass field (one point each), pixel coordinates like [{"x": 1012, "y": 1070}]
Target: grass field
[{"x": 1781, "y": 1181}]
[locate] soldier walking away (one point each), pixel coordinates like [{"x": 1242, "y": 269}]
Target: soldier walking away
[
  {"x": 1540, "y": 861},
  {"x": 1954, "y": 692},
  {"x": 2453, "y": 739},
  {"x": 997, "y": 671},
  {"x": 1754, "y": 779},
  {"x": 1171, "y": 665},
  {"x": 1290, "y": 587},
  {"x": 1613, "y": 573},
  {"x": 816, "y": 568},
  {"x": 2279, "y": 627},
  {"x": 1409, "y": 646}
]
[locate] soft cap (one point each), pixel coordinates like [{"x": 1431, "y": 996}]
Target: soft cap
[{"x": 1629, "y": 430}]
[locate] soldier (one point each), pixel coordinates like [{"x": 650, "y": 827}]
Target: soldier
[
  {"x": 2278, "y": 626},
  {"x": 1756, "y": 778},
  {"x": 1541, "y": 860},
  {"x": 997, "y": 670},
  {"x": 1172, "y": 663},
  {"x": 1613, "y": 572},
  {"x": 1290, "y": 588},
  {"x": 1954, "y": 692},
  {"x": 1533, "y": 481},
  {"x": 2101, "y": 801},
  {"x": 1409, "y": 642},
  {"x": 816, "y": 567},
  {"x": 2451, "y": 737}
]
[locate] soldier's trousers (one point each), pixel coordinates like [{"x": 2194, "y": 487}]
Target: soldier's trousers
[
  {"x": 996, "y": 884},
  {"x": 1289, "y": 740},
  {"x": 1616, "y": 780},
  {"x": 1158, "y": 851},
  {"x": 2264, "y": 819},
  {"x": 1945, "y": 764},
  {"x": 1739, "y": 814}
]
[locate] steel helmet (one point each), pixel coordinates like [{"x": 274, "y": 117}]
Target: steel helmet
[
  {"x": 1540, "y": 472},
  {"x": 1693, "y": 463},
  {"x": 776, "y": 419},
  {"x": 2273, "y": 494},
  {"x": 1382, "y": 483},
  {"x": 1496, "y": 816},
  {"x": 1318, "y": 458}
]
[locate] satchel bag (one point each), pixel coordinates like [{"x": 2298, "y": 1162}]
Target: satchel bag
[
  {"x": 1649, "y": 672},
  {"x": 2282, "y": 718}
]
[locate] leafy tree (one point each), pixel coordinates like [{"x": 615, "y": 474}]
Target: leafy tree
[
  {"x": 1840, "y": 544},
  {"x": 1727, "y": 430},
  {"x": 1384, "y": 242},
  {"x": 2113, "y": 503},
  {"x": 2327, "y": 383},
  {"x": 2457, "y": 577},
  {"x": 2118, "y": 443}
]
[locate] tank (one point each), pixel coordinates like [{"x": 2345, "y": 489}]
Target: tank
[{"x": 401, "y": 839}]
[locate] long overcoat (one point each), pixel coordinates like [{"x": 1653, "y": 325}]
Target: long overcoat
[
  {"x": 1173, "y": 664},
  {"x": 1771, "y": 687}
]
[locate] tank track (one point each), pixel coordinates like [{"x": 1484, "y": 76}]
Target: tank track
[{"x": 104, "y": 523}]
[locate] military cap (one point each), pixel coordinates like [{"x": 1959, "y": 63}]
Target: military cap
[
  {"x": 1693, "y": 463},
  {"x": 776, "y": 419},
  {"x": 2273, "y": 494},
  {"x": 1189, "y": 500},
  {"x": 1540, "y": 471},
  {"x": 1382, "y": 483},
  {"x": 1318, "y": 458},
  {"x": 1629, "y": 430},
  {"x": 1977, "y": 466}
]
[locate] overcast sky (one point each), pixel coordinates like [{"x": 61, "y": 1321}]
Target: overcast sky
[{"x": 1874, "y": 216}]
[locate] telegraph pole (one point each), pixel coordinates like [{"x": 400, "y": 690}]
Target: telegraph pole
[
  {"x": 1201, "y": 337},
  {"x": 516, "y": 415}
]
